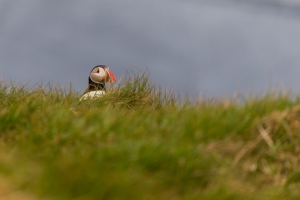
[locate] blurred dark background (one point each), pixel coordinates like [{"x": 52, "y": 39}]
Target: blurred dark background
[{"x": 212, "y": 48}]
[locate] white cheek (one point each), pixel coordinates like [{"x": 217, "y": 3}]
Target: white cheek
[
  {"x": 102, "y": 72},
  {"x": 98, "y": 77}
]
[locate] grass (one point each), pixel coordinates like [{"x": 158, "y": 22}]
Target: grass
[{"x": 139, "y": 142}]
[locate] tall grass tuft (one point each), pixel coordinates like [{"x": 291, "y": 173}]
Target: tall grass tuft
[{"x": 137, "y": 91}]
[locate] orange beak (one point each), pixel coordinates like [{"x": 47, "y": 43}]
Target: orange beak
[{"x": 112, "y": 78}]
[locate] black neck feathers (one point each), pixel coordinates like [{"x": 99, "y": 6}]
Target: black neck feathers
[{"x": 95, "y": 86}]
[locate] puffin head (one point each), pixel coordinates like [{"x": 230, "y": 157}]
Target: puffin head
[
  {"x": 99, "y": 76},
  {"x": 102, "y": 74}
]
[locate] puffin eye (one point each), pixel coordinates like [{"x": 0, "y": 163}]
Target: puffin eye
[{"x": 98, "y": 70}]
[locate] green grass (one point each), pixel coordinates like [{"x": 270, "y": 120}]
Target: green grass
[{"x": 139, "y": 142}]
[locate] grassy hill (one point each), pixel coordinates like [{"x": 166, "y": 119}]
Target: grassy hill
[{"x": 138, "y": 142}]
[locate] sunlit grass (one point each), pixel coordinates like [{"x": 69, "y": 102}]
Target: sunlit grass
[{"x": 139, "y": 142}]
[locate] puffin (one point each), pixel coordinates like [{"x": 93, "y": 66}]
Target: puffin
[{"x": 99, "y": 75}]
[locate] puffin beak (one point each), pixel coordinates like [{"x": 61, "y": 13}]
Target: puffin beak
[{"x": 112, "y": 78}]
